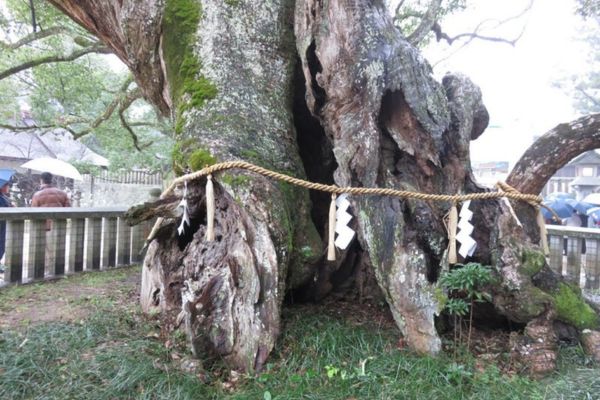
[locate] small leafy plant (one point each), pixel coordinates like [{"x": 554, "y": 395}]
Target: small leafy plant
[{"x": 465, "y": 285}]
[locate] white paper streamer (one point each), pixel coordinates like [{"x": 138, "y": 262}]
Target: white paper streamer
[
  {"x": 185, "y": 217},
  {"x": 467, "y": 244},
  {"x": 342, "y": 218}
]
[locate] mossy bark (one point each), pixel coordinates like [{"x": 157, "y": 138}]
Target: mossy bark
[
  {"x": 229, "y": 291},
  {"x": 224, "y": 71}
]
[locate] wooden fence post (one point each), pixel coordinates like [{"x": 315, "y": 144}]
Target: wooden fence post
[
  {"x": 556, "y": 255},
  {"x": 37, "y": 249},
  {"x": 59, "y": 226},
  {"x": 76, "y": 243},
  {"x": 574, "y": 259},
  {"x": 137, "y": 242},
  {"x": 592, "y": 264},
  {"x": 109, "y": 250},
  {"x": 124, "y": 247},
  {"x": 94, "y": 240},
  {"x": 15, "y": 234}
]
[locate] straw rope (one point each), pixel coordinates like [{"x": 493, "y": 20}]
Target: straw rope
[
  {"x": 504, "y": 190},
  {"x": 507, "y": 191}
]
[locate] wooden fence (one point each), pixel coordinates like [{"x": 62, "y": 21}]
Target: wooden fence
[
  {"x": 80, "y": 239},
  {"x": 581, "y": 261},
  {"x": 83, "y": 239},
  {"x": 128, "y": 177}
]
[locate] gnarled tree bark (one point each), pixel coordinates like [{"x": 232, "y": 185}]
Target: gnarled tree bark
[{"x": 362, "y": 110}]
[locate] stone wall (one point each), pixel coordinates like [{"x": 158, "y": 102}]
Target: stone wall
[{"x": 102, "y": 194}]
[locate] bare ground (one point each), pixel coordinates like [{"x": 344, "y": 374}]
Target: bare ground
[{"x": 67, "y": 299}]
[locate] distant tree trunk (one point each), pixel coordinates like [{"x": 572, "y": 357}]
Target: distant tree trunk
[{"x": 347, "y": 101}]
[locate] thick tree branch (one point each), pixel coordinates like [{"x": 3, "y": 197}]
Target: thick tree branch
[
  {"x": 132, "y": 30},
  {"x": 34, "y": 36},
  {"x": 398, "y": 7},
  {"x": 16, "y": 128},
  {"x": 108, "y": 111},
  {"x": 121, "y": 103},
  {"x": 33, "y": 22},
  {"x": 428, "y": 20},
  {"x": 588, "y": 96},
  {"x": 552, "y": 151},
  {"x": 125, "y": 104},
  {"x": 54, "y": 59}
]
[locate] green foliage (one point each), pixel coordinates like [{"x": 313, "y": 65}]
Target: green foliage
[
  {"x": 178, "y": 159},
  {"x": 571, "y": 308},
  {"x": 186, "y": 155},
  {"x": 411, "y": 14},
  {"x": 457, "y": 307},
  {"x": 76, "y": 94},
  {"x": 465, "y": 282},
  {"x": 468, "y": 279},
  {"x": 201, "y": 158}
]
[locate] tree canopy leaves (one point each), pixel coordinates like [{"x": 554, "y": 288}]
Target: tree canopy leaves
[{"x": 59, "y": 76}]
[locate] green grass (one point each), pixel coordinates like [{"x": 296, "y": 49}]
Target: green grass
[
  {"x": 116, "y": 354},
  {"x": 11, "y": 295}
]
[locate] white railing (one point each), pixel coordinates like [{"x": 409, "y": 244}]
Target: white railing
[
  {"x": 580, "y": 263},
  {"x": 79, "y": 239},
  {"x": 83, "y": 239},
  {"x": 126, "y": 177}
]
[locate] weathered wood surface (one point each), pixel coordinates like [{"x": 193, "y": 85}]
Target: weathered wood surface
[
  {"x": 554, "y": 150},
  {"x": 370, "y": 114}
]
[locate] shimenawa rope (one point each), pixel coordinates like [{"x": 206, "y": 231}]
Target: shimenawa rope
[{"x": 504, "y": 190}]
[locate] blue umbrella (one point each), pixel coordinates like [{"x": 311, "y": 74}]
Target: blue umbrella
[
  {"x": 5, "y": 175},
  {"x": 580, "y": 206},
  {"x": 560, "y": 196},
  {"x": 594, "y": 213},
  {"x": 560, "y": 207}
]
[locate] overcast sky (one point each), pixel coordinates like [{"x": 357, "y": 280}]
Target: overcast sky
[{"x": 517, "y": 82}]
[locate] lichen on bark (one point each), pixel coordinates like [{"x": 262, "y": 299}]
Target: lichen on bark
[{"x": 232, "y": 289}]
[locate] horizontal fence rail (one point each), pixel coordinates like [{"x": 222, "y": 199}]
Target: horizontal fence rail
[
  {"x": 575, "y": 254},
  {"x": 85, "y": 239},
  {"x": 126, "y": 177},
  {"x": 48, "y": 242}
]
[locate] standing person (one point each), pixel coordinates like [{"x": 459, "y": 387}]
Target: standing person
[
  {"x": 4, "y": 202},
  {"x": 49, "y": 196},
  {"x": 584, "y": 224}
]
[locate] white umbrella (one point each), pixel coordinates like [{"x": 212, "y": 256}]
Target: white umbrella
[
  {"x": 54, "y": 166},
  {"x": 593, "y": 198}
]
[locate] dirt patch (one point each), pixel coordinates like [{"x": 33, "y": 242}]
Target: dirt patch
[{"x": 68, "y": 300}]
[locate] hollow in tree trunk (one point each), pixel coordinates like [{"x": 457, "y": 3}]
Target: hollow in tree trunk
[{"x": 332, "y": 91}]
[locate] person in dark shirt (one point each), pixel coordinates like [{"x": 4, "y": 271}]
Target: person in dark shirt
[
  {"x": 4, "y": 202},
  {"x": 49, "y": 196}
]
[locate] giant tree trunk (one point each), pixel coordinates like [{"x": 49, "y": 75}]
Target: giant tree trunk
[{"x": 361, "y": 109}]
